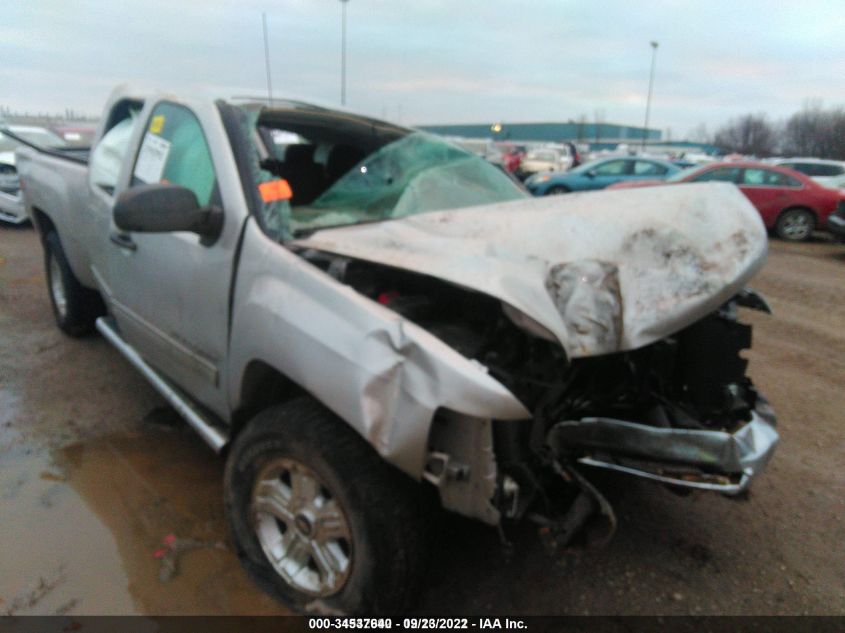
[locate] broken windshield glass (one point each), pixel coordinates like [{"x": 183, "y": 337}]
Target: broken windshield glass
[{"x": 414, "y": 174}]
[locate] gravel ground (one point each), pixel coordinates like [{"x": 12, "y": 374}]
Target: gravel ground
[{"x": 100, "y": 483}]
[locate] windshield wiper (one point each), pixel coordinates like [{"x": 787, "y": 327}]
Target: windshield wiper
[{"x": 311, "y": 230}]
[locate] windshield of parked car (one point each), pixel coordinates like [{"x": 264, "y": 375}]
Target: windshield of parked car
[{"x": 415, "y": 174}]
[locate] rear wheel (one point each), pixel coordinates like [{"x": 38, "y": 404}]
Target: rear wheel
[
  {"x": 795, "y": 225},
  {"x": 75, "y": 307},
  {"x": 318, "y": 518}
]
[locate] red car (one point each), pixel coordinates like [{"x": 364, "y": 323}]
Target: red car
[{"x": 791, "y": 204}]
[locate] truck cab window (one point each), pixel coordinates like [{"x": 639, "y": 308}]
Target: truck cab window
[
  {"x": 174, "y": 150},
  {"x": 108, "y": 155}
]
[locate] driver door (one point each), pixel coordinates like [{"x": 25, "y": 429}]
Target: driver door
[{"x": 169, "y": 291}]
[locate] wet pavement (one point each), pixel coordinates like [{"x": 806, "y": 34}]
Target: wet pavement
[
  {"x": 123, "y": 524},
  {"x": 109, "y": 504}
]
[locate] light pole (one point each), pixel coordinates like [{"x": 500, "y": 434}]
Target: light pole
[
  {"x": 650, "y": 84},
  {"x": 267, "y": 60},
  {"x": 343, "y": 52}
]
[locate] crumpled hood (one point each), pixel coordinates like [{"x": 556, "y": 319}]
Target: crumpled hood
[{"x": 602, "y": 272}]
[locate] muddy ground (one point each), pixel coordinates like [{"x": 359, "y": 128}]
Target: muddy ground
[{"x": 96, "y": 474}]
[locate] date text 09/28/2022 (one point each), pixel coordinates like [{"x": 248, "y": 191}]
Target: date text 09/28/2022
[{"x": 415, "y": 623}]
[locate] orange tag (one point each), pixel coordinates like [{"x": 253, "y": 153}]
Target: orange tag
[{"x": 275, "y": 190}]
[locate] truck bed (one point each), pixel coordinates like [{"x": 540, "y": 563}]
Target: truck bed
[{"x": 55, "y": 186}]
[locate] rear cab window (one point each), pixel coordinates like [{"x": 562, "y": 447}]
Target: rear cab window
[{"x": 109, "y": 154}]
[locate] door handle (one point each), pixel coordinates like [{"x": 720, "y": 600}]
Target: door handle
[{"x": 123, "y": 240}]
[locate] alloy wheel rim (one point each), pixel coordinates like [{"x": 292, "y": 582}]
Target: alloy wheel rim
[
  {"x": 57, "y": 288},
  {"x": 796, "y": 225},
  {"x": 301, "y": 527}
]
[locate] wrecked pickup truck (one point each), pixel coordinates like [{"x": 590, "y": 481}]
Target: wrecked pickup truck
[{"x": 361, "y": 315}]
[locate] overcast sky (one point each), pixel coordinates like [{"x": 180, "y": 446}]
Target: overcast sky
[{"x": 440, "y": 61}]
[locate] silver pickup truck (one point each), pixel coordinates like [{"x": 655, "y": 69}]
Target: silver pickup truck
[{"x": 363, "y": 318}]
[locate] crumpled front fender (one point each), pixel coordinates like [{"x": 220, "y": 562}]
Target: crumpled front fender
[{"x": 381, "y": 373}]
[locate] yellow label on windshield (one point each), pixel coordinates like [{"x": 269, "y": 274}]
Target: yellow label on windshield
[{"x": 157, "y": 124}]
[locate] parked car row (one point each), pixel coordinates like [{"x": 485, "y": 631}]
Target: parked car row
[
  {"x": 791, "y": 204},
  {"x": 12, "y": 137},
  {"x": 11, "y": 208},
  {"x": 600, "y": 174},
  {"x": 830, "y": 173}
]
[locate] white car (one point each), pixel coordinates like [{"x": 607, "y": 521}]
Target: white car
[
  {"x": 830, "y": 173},
  {"x": 546, "y": 159},
  {"x": 11, "y": 207}
]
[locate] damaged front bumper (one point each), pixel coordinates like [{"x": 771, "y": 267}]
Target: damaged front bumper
[{"x": 690, "y": 458}]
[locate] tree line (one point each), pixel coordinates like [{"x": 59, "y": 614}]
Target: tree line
[{"x": 813, "y": 131}]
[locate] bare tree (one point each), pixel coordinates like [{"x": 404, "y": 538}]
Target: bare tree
[
  {"x": 817, "y": 132},
  {"x": 750, "y": 134}
]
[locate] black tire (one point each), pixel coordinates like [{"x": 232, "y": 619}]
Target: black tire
[
  {"x": 382, "y": 509},
  {"x": 556, "y": 190},
  {"x": 75, "y": 307},
  {"x": 795, "y": 225}
]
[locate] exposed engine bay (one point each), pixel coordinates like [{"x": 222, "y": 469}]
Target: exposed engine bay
[
  {"x": 665, "y": 411},
  {"x": 605, "y": 322}
]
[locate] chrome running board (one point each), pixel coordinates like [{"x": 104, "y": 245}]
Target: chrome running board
[{"x": 214, "y": 436}]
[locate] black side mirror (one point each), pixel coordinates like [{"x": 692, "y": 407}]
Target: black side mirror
[{"x": 161, "y": 208}]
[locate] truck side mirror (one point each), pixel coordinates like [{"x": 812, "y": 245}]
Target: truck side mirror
[{"x": 162, "y": 208}]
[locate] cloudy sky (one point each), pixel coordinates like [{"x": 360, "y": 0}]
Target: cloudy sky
[{"x": 440, "y": 61}]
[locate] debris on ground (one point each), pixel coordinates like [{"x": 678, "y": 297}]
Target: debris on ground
[{"x": 173, "y": 547}]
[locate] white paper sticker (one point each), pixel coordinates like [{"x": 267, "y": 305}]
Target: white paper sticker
[{"x": 151, "y": 159}]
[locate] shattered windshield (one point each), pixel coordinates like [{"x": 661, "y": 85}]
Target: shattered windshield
[{"x": 417, "y": 173}]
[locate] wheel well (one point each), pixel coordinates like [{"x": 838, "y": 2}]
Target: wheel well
[
  {"x": 262, "y": 386},
  {"x": 801, "y": 208},
  {"x": 558, "y": 187},
  {"x": 42, "y": 222}
]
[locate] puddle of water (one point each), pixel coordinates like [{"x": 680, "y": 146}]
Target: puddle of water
[{"x": 80, "y": 527}]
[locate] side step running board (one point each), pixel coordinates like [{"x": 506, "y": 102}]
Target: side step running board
[{"x": 215, "y": 437}]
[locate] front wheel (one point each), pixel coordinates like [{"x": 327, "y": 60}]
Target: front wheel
[
  {"x": 795, "y": 225},
  {"x": 318, "y": 519}
]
